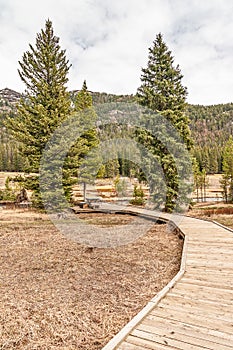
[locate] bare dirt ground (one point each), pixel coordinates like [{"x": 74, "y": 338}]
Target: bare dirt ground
[{"x": 58, "y": 294}]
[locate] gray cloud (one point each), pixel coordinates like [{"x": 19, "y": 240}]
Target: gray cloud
[{"x": 107, "y": 42}]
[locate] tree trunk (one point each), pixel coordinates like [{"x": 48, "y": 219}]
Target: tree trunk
[{"x": 84, "y": 191}]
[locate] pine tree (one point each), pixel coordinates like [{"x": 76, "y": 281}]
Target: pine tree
[
  {"x": 227, "y": 177},
  {"x": 83, "y": 98},
  {"x": 112, "y": 167},
  {"x": 162, "y": 92},
  {"x": 82, "y": 162},
  {"x": 46, "y": 102}
]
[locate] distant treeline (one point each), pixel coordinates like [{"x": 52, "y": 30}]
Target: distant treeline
[{"x": 211, "y": 128}]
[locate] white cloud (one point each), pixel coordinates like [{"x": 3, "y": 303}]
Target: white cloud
[{"x": 107, "y": 42}]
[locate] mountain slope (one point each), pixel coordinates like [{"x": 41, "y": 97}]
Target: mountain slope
[{"x": 211, "y": 126}]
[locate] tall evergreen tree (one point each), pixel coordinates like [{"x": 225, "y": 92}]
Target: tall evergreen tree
[
  {"x": 46, "y": 102},
  {"x": 227, "y": 177},
  {"x": 162, "y": 92},
  {"x": 81, "y": 161}
]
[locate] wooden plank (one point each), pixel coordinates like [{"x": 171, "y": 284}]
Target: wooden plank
[
  {"x": 213, "y": 256},
  {"x": 203, "y": 278},
  {"x": 203, "y": 304},
  {"x": 136, "y": 342},
  {"x": 147, "y": 344},
  {"x": 208, "y": 295},
  {"x": 217, "y": 283},
  {"x": 224, "y": 235},
  {"x": 213, "y": 246},
  {"x": 200, "y": 270},
  {"x": 144, "y": 336},
  {"x": 208, "y": 262},
  {"x": 195, "y": 319},
  {"x": 212, "y": 249},
  {"x": 203, "y": 273},
  {"x": 182, "y": 336},
  {"x": 200, "y": 298},
  {"x": 199, "y": 332},
  {"x": 201, "y": 327},
  {"x": 211, "y": 240},
  {"x": 205, "y": 289},
  {"x": 191, "y": 308},
  {"x": 128, "y": 346},
  {"x": 204, "y": 240}
]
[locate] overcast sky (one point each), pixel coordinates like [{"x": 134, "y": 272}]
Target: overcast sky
[{"x": 107, "y": 41}]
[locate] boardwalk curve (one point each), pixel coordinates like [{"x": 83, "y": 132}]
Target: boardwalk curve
[{"x": 195, "y": 310}]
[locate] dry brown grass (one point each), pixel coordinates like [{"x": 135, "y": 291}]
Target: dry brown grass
[
  {"x": 57, "y": 294},
  {"x": 219, "y": 212}
]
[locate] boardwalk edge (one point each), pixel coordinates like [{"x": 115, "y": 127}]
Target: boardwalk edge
[{"x": 124, "y": 332}]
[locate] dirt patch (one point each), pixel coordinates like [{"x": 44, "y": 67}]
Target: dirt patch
[
  {"x": 57, "y": 294},
  {"x": 106, "y": 220}
]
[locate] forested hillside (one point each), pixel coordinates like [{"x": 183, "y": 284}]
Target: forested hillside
[
  {"x": 211, "y": 127},
  {"x": 10, "y": 160},
  {"x": 103, "y": 97}
]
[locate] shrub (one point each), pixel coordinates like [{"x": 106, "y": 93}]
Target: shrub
[{"x": 138, "y": 195}]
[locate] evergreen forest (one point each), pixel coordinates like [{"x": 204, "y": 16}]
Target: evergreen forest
[{"x": 211, "y": 127}]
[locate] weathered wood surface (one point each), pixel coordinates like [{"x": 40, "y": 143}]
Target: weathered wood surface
[{"x": 195, "y": 311}]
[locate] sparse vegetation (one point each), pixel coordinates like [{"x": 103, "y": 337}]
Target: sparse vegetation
[
  {"x": 8, "y": 193},
  {"x": 138, "y": 196},
  {"x": 221, "y": 213}
]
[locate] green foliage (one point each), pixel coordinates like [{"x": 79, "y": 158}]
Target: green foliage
[
  {"x": 8, "y": 194},
  {"x": 112, "y": 168},
  {"x": 83, "y": 99},
  {"x": 138, "y": 195},
  {"x": 227, "y": 177},
  {"x": 200, "y": 181},
  {"x": 82, "y": 160},
  {"x": 162, "y": 92},
  {"x": 46, "y": 103},
  {"x": 120, "y": 186},
  {"x": 31, "y": 183},
  {"x": 10, "y": 158},
  {"x": 211, "y": 128},
  {"x": 101, "y": 172},
  {"x": 102, "y": 97}
]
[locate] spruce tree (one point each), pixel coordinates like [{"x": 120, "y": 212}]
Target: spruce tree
[
  {"x": 83, "y": 99},
  {"x": 227, "y": 166},
  {"x": 82, "y": 162},
  {"x": 162, "y": 91},
  {"x": 46, "y": 102}
]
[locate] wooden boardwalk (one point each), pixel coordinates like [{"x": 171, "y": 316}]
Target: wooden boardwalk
[{"x": 195, "y": 310}]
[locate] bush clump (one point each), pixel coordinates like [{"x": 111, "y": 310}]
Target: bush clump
[{"x": 138, "y": 196}]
